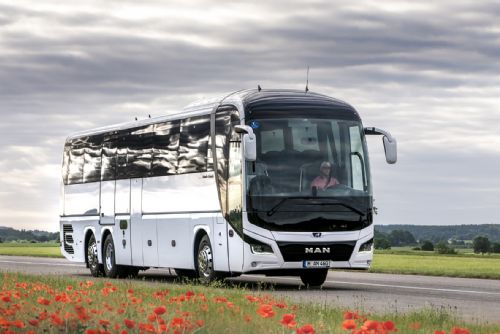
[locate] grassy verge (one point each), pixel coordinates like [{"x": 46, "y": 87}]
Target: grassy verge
[
  {"x": 29, "y": 249},
  {"x": 437, "y": 265},
  {"x": 57, "y": 304}
]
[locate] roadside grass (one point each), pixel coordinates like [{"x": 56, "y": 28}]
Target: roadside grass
[
  {"x": 46, "y": 249},
  {"x": 57, "y": 304},
  {"x": 437, "y": 265}
]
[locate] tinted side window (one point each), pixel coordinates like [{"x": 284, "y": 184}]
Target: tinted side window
[
  {"x": 92, "y": 159},
  {"x": 193, "y": 144},
  {"x": 65, "y": 164},
  {"x": 122, "y": 143},
  {"x": 165, "y": 148},
  {"x": 109, "y": 151},
  {"x": 139, "y": 151},
  {"x": 76, "y": 160}
]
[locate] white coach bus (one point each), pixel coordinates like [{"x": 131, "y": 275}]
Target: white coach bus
[{"x": 273, "y": 182}]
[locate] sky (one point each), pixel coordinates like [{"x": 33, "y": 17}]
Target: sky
[{"x": 428, "y": 72}]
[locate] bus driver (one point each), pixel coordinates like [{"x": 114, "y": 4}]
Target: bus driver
[{"x": 325, "y": 179}]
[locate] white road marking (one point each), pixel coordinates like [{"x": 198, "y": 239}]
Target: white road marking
[
  {"x": 398, "y": 286},
  {"x": 45, "y": 263}
]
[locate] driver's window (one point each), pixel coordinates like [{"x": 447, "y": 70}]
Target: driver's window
[{"x": 357, "y": 164}]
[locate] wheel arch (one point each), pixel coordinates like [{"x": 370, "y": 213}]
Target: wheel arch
[
  {"x": 88, "y": 232},
  {"x": 199, "y": 232},
  {"x": 104, "y": 234}
]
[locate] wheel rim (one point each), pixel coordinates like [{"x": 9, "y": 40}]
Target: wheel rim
[
  {"x": 92, "y": 254},
  {"x": 109, "y": 257},
  {"x": 205, "y": 261}
]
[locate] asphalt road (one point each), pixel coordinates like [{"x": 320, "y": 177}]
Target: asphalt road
[{"x": 470, "y": 299}]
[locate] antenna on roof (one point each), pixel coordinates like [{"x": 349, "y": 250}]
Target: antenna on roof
[
  {"x": 258, "y": 88},
  {"x": 307, "y": 79}
]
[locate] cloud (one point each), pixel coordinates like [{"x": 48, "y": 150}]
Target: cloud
[{"x": 426, "y": 72}]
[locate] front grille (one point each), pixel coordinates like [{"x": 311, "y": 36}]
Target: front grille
[
  {"x": 338, "y": 251},
  {"x": 68, "y": 239}
]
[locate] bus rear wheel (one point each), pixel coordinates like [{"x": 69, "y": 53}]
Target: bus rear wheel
[
  {"x": 314, "y": 277},
  {"x": 111, "y": 269},
  {"x": 96, "y": 269}
]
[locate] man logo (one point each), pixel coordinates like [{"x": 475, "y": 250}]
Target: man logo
[
  {"x": 317, "y": 234},
  {"x": 315, "y": 250}
]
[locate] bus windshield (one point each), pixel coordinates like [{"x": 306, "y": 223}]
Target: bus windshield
[{"x": 309, "y": 173}]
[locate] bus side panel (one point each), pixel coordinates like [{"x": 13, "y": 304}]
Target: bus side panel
[
  {"x": 175, "y": 247},
  {"x": 173, "y": 200},
  {"x": 219, "y": 243}
]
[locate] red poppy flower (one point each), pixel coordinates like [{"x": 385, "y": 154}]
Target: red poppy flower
[
  {"x": 389, "y": 326},
  {"x": 129, "y": 323},
  {"x": 160, "y": 310},
  {"x": 349, "y": 324},
  {"x": 288, "y": 320},
  {"x": 34, "y": 322},
  {"x": 458, "y": 330},
  {"x": 266, "y": 311},
  {"x": 43, "y": 301},
  {"x": 306, "y": 329}
]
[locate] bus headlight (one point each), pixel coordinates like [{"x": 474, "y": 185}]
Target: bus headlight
[
  {"x": 367, "y": 246},
  {"x": 258, "y": 247}
]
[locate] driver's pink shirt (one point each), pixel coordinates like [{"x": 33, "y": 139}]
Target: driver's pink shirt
[{"x": 320, "y": 182}]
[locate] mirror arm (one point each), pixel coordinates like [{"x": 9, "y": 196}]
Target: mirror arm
[{"x": 377, "y": 131}]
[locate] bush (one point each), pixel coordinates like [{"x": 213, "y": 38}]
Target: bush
[
  {"x": 496, "y": 247},
  {"x": 443, "y": 248},
  {"x": 416, "y": 248},
  {"x": 481, "y": 244},
  {"x": 382, "y": 243},
  {"x": 427, "y": 245}
]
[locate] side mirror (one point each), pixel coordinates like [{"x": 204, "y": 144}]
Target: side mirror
[
  {"x": 390, "y": 144},
  {"x": 391, "y": 150},
  {"x": 249, "y": 142}
]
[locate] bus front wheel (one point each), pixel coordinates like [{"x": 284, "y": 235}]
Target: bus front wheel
[
  {"x": 314, "y": 277},
  {"x": 204, "y": 261},
  {"x": 96, "y": 269}
]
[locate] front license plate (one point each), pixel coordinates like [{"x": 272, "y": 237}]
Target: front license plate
[{"x": 316, "y": 264}]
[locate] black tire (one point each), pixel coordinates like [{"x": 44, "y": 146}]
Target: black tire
[
  {"x": 96, "y": 269},
  {"x": 111, "y": 269},
  {"x": 204, "y": 262},
  {"x": 314, "y": 277}
]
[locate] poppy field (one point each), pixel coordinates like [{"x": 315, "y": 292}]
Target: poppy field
[{"x": 30, "y": 304}]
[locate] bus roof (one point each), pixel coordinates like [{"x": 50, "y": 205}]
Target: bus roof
[{"x": 241, "y": 99}]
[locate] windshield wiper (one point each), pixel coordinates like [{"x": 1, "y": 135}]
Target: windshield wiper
[{"x": 273, "y": 210}]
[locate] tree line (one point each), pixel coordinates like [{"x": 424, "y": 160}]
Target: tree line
[
  {"x": 400, "y": 238},
  {"x": 8, "y": 234}
]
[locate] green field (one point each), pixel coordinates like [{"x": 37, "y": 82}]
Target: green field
[
  {"x": 30, "y": 249},
  {"x": 68, "y": 305},
  {"x": 438, "y": 265}
]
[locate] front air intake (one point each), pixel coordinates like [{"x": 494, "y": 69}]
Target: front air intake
[
  {"x": 338, "y": 251},
  {"x": 68, "y": 239}
]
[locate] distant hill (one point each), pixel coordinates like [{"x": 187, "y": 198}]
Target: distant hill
[
  {"x": 10, "y": 234},
  {"x": 445, "y": 232}
]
